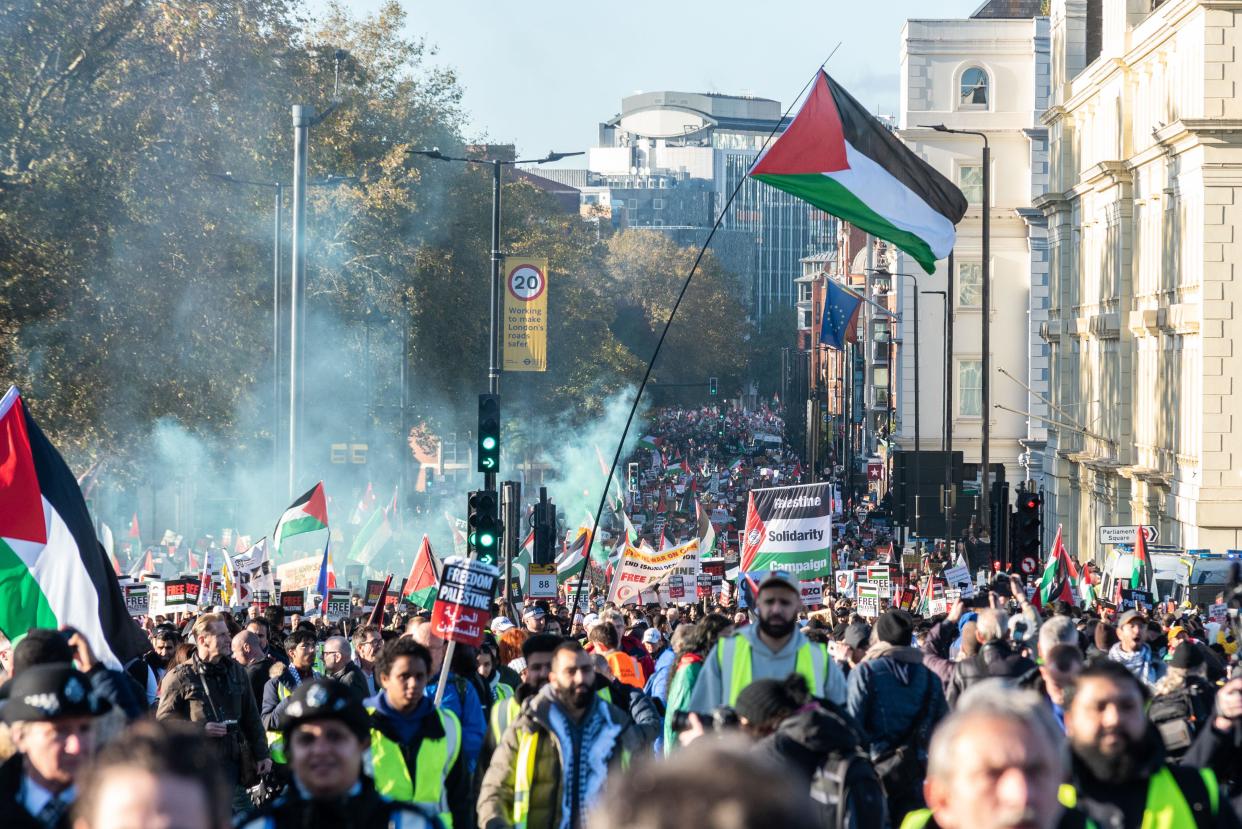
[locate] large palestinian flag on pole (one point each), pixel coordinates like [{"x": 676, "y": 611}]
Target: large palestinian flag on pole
[
  {"x": 424, "y": 578},
  {"x": 789, "y": 528},
  {"x": 53, "y": 571},
  {"x": 1059, "y": 577},
  {"x": 305, "y": 515},
  {"x": 839, "y": 158}
]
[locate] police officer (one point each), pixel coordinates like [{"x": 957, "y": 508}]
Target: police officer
[
  {"x": 772, "y": 649},
  {"x": 51, "y": 712},
  {"x": 326, "y": 734}
]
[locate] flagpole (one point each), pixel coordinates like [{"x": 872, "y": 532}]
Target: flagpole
[{"x": 672, "y": 315}]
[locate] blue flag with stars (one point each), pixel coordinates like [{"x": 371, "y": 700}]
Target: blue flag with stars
[{"x": 840, "y": 322}]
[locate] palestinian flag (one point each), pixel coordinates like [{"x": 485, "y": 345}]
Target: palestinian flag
[
  {"x": 1085, "y": 587},
  {"x": 839, "y": 158},
  {"x": 650, "y": 442},
  {"x": 1059, "y": 577},
  {"x": 1142, "y": 577},
  {"x": 707, "y": 533},
  {"x": 53, "y": 571},
  {"x": 572, "y": 558},
  {"x": 458, "y": 528},
  {"x": 371, "y": 538},
  {"x": 424, "y": 578},
  {"x": 305, "y": 515}
]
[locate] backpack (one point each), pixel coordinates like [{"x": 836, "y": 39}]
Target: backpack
[
  {"x": 1173, "y": 714},
  {"x": 849, "y": 794}
]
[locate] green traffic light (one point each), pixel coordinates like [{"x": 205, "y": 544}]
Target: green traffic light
[
  {"x": 489, "y": 442},
  {"x": 487, "y": 540}
]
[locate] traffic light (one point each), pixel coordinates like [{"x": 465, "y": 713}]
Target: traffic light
[
  {"x": 631, "y": 477},
  {"x": 1026, "y": 540},
  {"x": 711, "y": 386},
  {"x": 543, "y": 521},
  {"x": 489, "y": 432},
  {"x": 483, "y": 527}
]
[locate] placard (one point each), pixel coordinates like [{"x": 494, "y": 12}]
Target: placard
[
  {"x": 959, "y": 577},
  {"x": 711, "y": 577},
  {"x": 879, "y": 576},
  {"x": 676, "y": 588},
  {"x": 463, "y": 600},
  {"x": 374, "y": 588},
  {"x": 541, "y": 581},
  {"x": 1141, "y": 599},
  {"x": 137, "y": 599},
  {"x": 868, "y": 604},
  {"x": 844, "y": 580},
  {"x": 812, "y": 593},
  {"x": 174, "y": 594},
  {"x": 338, "y": 604},
  {"x": 1218, "y": 613},
  {"x": 909, "y": 559},
  {"x": 293, "y": 602}
]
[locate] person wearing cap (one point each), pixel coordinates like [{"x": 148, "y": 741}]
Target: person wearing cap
[
  {"x": 51, "y": 713},
  {"x": 662, "y": 655},
  {"x": 328, "y": 734},
  {"x": 1119, "y": 774},
  {"x": 214, "y": 691},
  {"x": 535, "y": 618},
  {"x": 852, "y": 646},
  {"x": 416, "y": 748},
  {"x": 1134, "y": 653},
  {"x": 896, "y": 701},
  {"x": 1219, "y": 745},
  {"x": 772, "y": 649}
]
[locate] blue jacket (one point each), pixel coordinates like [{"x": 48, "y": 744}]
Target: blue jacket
[
  {"x": 657, "y": 683},
  {"x": 885, "y": 693},
  {"x": 461, "y": 698}
]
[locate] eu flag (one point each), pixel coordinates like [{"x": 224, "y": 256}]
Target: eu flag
[{"x": 840, "y": 322}]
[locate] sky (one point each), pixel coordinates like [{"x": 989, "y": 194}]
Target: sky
[{"x": 544, "y": 73}]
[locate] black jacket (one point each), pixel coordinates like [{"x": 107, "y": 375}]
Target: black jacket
[
  {"x": 352, "y": 677},
  {"x": 258, "y": 673},
  {"x": 995, "y": 659},
  {"x": 366, "y": 809},
  {"x": 14, "y": 814},
  {"x": 806, "y": 740},
  {"x": 1220, "y": 751}
]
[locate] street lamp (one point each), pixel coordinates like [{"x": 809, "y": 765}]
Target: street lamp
[
  {"x": 493, "y": 348},
  {"x": 985, "y": 494}
]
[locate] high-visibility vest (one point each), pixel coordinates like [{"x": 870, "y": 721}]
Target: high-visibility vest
[
  {"x": 276, "y": 739},
  {"x": 504, "y": 712},
  {"x": 734, "y": 657},
  {"x": 920, "y": 818},
  {"x": 1166, "y": 807},
  {"x": 502, "y": 692},
  {"x": 524, "y": 776},
  {"x": 434, "y": 761},
  {"x": 626, "y": 669}
]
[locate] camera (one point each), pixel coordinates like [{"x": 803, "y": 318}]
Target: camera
[{"x": 723, "y": 718}]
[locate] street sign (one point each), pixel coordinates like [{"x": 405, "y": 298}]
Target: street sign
[
  {"x": 1028, "y": 565},
  {"x": 1126, "y": 535},
  {"x": 541, "y": 581},
  {"x": 524, "y": 342}
]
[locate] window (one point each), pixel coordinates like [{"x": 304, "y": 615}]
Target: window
[
  {"x": 804, "y": 292},
  {"x": 632, "y": 204},
  {"x": 969, "y": 284},
  {"x": 973, "y": 93},
  {"x": 657, "y": 204},
  {"x": 970, "y": 388},
  {"x": 970, "y": 180}
]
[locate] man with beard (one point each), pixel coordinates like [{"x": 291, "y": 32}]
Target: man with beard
[
  {"x": 772, "y": 649},
  {"x": 996, "y": 763},
  {"x": 1120, "y": 777},
  {"x": 553, "y": 761},
  {"x": 147, "y": 670}
]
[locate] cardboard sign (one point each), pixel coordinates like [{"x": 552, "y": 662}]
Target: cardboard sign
[
  {"x": 909, "y": 559},
  {"x": 868, "y": 604},
  {"x": 371, "y": 594},
  {"x": 463, "y": 600},
  {"x": 812, "y": 593},
  {"x": 1218, "y": 613},
  {"x": 515, "y": 589},
  {"x": 191, "y": 588},
  {"x": 879, "y": 576},
  {"x": 676, "y": 588},
  {"x": 711, "y": 577},
  {"x": 293, "y": 602},
  {"x": 541, "y": 581},
  {"x": 338, "y": 604},
  {"x": 175, "y": 597},
  {"x": 1135, "y": 598},
  {"x": 844, "y": 581},
  {"x": 959, "y": 577},
  {"x": 137, "y": 599}
]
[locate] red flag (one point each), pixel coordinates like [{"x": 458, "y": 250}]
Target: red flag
[
  {"x": 377, "y": 612},
  {"x": 133, "y": 527}
]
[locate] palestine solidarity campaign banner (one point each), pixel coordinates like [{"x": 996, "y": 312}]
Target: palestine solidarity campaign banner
[{"x": 789, "y": 528}]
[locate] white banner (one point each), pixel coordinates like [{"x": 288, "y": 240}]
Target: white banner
[{"x": 642, "y": 570}]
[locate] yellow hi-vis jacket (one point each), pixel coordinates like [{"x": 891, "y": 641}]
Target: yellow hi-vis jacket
[
  {"x": 433, "y": 762},
  {"x": 1166, "y": 806},
  {"x": 733, "y": 655}
]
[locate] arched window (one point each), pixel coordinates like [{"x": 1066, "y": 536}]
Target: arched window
[{"x": 973, "y": 92}]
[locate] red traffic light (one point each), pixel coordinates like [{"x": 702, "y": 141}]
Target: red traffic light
[{"x": 1032, "y": 503}]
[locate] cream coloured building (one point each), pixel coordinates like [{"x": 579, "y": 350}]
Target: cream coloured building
[{"x": 1143, "y": 210}]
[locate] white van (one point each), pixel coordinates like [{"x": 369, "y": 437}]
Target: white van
[{"x": 1120, "y": 565}]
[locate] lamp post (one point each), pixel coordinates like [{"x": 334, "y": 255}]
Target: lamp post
[
  {"x": 985, "y": 494},
  {"x": 493, "y": 344}
]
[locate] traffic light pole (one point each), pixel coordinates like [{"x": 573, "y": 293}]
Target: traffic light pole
[{"x": 493, "y": 341}]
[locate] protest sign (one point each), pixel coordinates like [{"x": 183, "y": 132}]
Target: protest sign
[
  {"x": 1140, "y": 599},
  {"x": 1218, "y": 613},
  {"x": 812, "y": 593},
  {"x": 878, "y": 574},
  {"x": 884, "y": 552},
  {"x": 643, "y": 569},
  {"x": 338, "y": 604},
  {"x": 137, "y": 599},
  {"x": 909, "y": 559},
  {"x": 293, "y": 602},
  {"x": 868, "y": 599},
  {"x": 175, "y": 597},
  {"x": 711, "y": 577},
  {"x": 844, "y": 580},
  {"x": 300, "y": 573},
  {"x": 959, "y": 577},
  {"x": 789, "y": 528},
  {"x": 463, "y": 600},
  {"x": 371, "y": 595},
  {"x": 676, "y": 588}
]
